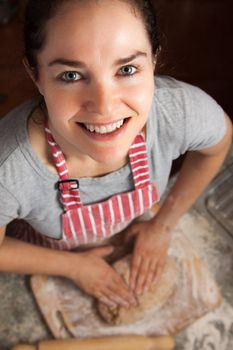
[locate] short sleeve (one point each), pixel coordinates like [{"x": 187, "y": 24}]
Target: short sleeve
[
  {"x": 205, "y": 124},
  {"x": 9, "y": 207}
]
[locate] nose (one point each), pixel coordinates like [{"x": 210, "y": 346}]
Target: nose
[{"x": 101, "y": 98}]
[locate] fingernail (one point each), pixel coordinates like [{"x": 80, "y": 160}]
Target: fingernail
[
  {"x": 123, "y": 302},
  {"x": 126, "y": 304},
  {"x": 132, "y": 285},
  {"x": 112, "y": 305},
  {"x": 132, "y": 301}
]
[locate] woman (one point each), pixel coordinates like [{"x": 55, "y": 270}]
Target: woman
[{"x": 90, "y": 157}]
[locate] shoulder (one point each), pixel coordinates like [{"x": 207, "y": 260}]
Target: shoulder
[
  {"x": 181, "y": 94},
  {"x": 170, "y": 106},
  {"x": 13, "y": 129},
  {"x": 183, "y": 116}
]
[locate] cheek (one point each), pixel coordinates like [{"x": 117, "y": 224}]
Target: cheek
[
  {"x": 140, "y": 97},
  {"x": 62, "y": 104},
  {"x": 61, "y": 101}
]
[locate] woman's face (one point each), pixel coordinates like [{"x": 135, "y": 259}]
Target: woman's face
[{"x": 96, "y": 75}]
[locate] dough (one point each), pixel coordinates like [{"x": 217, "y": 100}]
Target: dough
[
  {"x": 154, "y": 299},
  {"x": 69, "y": 312}
]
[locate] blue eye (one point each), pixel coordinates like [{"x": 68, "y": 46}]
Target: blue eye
[
  {"x": 128, "y": 70},
  {"x": 70, "y": 76}
]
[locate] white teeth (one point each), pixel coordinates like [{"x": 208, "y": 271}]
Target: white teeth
[{"x": 104, "y": 129}]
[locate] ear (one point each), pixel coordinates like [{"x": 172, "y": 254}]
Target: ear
[
  {"x": 31, "y": 72},
  {"x": 156, "y": 57},
  {"x": 154, "y": 61}
]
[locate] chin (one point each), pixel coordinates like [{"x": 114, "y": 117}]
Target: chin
[{"x": 110, "y": 156}]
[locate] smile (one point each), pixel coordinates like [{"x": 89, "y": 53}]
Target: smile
[{"x": 104, "y": 129}]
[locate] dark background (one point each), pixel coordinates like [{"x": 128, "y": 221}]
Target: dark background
[
  {"x": 197, "y": 47},
  {"x": 197, "y": 42}
]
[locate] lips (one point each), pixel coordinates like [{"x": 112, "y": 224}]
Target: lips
[
  {"x": 100, "y": 132},
  {"x": 104, "y": 129}
]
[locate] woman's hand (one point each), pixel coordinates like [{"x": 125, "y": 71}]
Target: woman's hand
[
  {"x": 149, "y": 254},
  {"x": 97, "y": 278}
]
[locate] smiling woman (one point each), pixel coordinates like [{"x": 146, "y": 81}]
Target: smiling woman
[
  {"x": 100, "y": 84},
  {"x": 92, "y": 154}
]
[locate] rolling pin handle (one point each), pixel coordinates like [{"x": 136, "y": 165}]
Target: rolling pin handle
[{"x": 24, "y": 347}]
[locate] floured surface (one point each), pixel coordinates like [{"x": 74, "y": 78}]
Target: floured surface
[
  {"x": 195, "y": 294},
  {"x": 213, "y": 331}
]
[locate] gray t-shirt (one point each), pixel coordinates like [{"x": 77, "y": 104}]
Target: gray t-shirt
[{"x": 182, "y": 117}]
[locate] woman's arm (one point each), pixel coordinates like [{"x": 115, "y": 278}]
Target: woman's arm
[
  {"x": 88, "y": 270},
  {"x": 24, "y": 258},
  {"x": 153, "y": 237},
  {"x": 198, "y": 170}
]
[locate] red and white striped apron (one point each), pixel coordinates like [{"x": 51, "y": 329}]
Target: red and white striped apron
[{"x": 84, "y": 224}]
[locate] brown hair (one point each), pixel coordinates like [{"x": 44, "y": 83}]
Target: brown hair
[{"x": 38, "y": 12}]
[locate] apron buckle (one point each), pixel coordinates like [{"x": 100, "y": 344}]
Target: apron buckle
[{"x": 68, "y": 184}]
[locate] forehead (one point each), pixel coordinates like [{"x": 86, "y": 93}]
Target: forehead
[{"x": 94, "y": 25}]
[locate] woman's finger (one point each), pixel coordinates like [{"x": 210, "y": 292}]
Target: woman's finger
[
  {"x": 158, "y": 272},
  {"x": 135, "y": 265},
  {"x": 150, "y": 276},
  {"x": 142, "y": 275},
  {"x": 120, "y": 289},
  {"x": 106, "y": 300},
  {"x": 116, "y": 298}
]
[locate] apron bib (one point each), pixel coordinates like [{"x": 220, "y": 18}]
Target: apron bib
[{"x": 93, "y": 223}]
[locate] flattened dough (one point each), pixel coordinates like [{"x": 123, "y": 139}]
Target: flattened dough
[{"x": 154, "y": 299}]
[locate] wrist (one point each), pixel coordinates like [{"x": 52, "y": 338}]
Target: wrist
[
  {"x": 68, "y": 264},
  {"x": 163, "y": 224},
  {"x": 169, "y": 213}
]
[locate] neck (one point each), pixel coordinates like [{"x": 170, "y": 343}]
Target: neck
[{"x": 83, "y": 165}]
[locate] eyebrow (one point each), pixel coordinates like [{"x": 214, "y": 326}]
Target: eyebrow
[{"x": 80, "y": 64}]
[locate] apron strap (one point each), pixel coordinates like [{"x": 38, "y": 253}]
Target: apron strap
[
  {"x": 139, "y": 162},
  {"x": 69, "y": 188}
]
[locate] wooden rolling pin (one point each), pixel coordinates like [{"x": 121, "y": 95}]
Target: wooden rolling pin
[{"x": 105, "y": 343}]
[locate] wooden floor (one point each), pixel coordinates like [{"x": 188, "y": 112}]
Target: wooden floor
[{"x": 197, "y": 47}]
